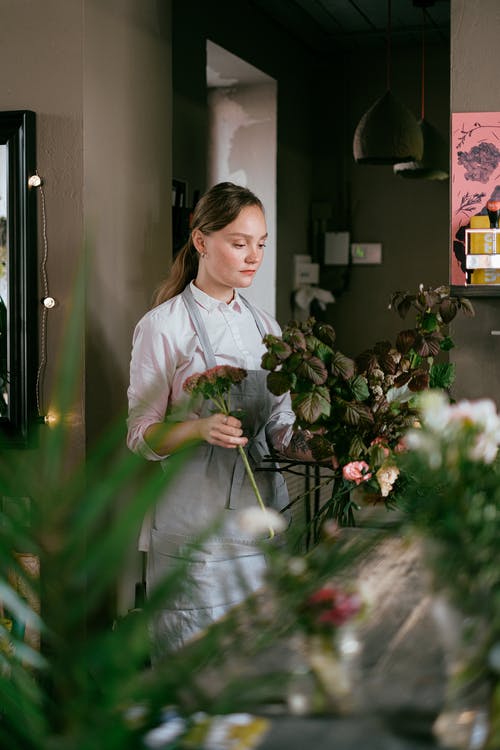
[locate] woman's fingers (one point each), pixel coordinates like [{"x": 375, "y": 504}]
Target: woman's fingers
[{"x": 225, "y": 431}]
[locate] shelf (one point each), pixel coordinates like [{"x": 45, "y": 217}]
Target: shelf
[{"x": 476, "y": 290}]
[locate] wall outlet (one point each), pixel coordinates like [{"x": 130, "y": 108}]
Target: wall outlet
[
  {"x": 306, "y": 273},
  {"x": 366, "y": 253}
]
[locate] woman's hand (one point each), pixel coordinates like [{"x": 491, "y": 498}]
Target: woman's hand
[
  {"x": 219, "y": 429},
  {"x": 299, "y": 449}
]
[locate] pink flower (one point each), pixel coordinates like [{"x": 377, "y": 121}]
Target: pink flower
[
  {"x": 216, "y": 380},
  {"x": 331, "y": 606},
  {"x": 401, "y": 446},
  {"x": 356, "y": 471},
  {"x": 191, "y": 383},
  {"x": 215, "y": 384}
]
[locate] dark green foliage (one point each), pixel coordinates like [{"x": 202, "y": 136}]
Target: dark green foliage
[{"x": 350, "y": 405}]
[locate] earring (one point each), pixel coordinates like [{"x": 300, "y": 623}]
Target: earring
[{"x": 203, "y": 254}]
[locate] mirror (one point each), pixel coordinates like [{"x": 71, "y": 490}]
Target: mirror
[{"x": 18, "y": 279}]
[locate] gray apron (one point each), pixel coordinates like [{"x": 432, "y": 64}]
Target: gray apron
[{"x": 206, "y": 493}]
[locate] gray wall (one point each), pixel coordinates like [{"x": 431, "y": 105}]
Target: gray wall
[
  {"x": 409, "y": 217},
  {"x": 97, "y": 73},
  {"x": 127, "y": 188},
  {"x": 474, "y": 54},
  {"x": 41, "y": 69}
]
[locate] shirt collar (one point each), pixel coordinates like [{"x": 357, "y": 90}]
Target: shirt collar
[{"x": 210, "y": 304}]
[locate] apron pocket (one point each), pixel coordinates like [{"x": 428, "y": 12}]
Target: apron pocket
[{"x": 216, "y": 573}]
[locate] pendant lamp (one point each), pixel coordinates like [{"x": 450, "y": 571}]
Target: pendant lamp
[
  {"x": 434, "y": 163},
  {"x": 388, "y": 133}
]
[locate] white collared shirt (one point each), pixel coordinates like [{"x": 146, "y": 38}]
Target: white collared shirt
[{"x": 166, "y": 350}]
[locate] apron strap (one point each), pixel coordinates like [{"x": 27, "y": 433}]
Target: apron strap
[
  {"x": 201, "y": 331},
  {"x": 199, "y": 327},
  {"x": 256, "y": 317}
]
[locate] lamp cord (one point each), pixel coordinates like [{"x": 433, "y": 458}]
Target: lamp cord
[
  {"x": 45, "y": 284},
  {"x": 388, "y": 62},
  {"x": 422, "y": 106}
]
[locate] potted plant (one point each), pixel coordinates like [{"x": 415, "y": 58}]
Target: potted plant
[{"x": 356, "y": 410}]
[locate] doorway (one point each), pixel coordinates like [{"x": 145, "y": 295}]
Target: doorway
[{"x": 242, "y": 146}]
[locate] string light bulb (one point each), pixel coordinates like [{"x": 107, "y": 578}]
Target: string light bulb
[
  {"x": 35, "y": 181},
  {"x": 51, "y": 419}
]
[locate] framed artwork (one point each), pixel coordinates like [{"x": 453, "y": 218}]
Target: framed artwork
[
  {"x": 18, "y": 279},
  {"x": 475, "y": 180}
]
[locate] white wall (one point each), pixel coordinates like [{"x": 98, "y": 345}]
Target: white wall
[{"x": 242, "y": 148}]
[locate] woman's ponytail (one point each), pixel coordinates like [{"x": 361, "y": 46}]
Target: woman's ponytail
[{"x": 184, "y": 269}]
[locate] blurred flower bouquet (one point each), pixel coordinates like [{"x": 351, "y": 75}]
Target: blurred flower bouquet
[
  {"x": 452, "y": 499},
  {"x": 310, "y": 598},
  {"x": 357, "y": 410}
]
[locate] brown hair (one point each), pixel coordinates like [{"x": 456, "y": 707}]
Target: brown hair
[{"x": 217, "y": 208}]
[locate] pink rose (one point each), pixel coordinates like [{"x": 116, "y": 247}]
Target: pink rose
[
  {"x": 356, "y": 471},
  {"x": 400, "y": 447}
]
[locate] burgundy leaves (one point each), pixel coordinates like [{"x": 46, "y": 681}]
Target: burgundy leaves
[{"x": 304, "y": 362}]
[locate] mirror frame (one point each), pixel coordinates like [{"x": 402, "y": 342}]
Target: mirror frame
[{"x": 18, "y": 133}]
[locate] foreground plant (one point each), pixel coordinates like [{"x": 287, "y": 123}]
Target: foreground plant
[
  {"x": 452, "y": 500},
  {"x": 215, "y": 385},
  {"x": 359, "y": 409},
  {"x": 85, "y": 681}
]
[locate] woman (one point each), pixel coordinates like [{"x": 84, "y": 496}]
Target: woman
[{"x": 199, "y": 321}]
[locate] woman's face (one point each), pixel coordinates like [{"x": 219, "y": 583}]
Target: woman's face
[{"x": 230, "y": 257}]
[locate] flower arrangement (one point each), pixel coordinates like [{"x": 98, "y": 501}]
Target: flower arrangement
[
  {"x": 358, "y": 409},
  {"x": 215, "y": 385},
  {"x": 452, "y": 498},
  {"x": 330, "y": 607},
  {"x": 313, "y": 600}
]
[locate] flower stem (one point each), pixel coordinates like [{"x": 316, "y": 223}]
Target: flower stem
[{"x": 254, "y": 484}]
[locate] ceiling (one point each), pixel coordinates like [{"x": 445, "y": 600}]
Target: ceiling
[{"x": 327, "y": 26}]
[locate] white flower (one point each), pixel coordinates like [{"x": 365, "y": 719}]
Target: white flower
[
  {"x": 164, "y": 734},
  {"x": 445, "y": 426},
  {"x": 256, "y": 522},
  {"x": 485, "y": 449},
  {"x": 481, "y": 412},
  {"x": 386, "y": 476},
  {"x": 427, "y": 444},
  {"x": 482, "y": 415},
  {"x": 494, "y": 658},
  {"x": 376, "y": 376},
  {"x": 297, "y": 566},
  {"x": 435, "y": 409},
  {"x": 395, "y": 355}
]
